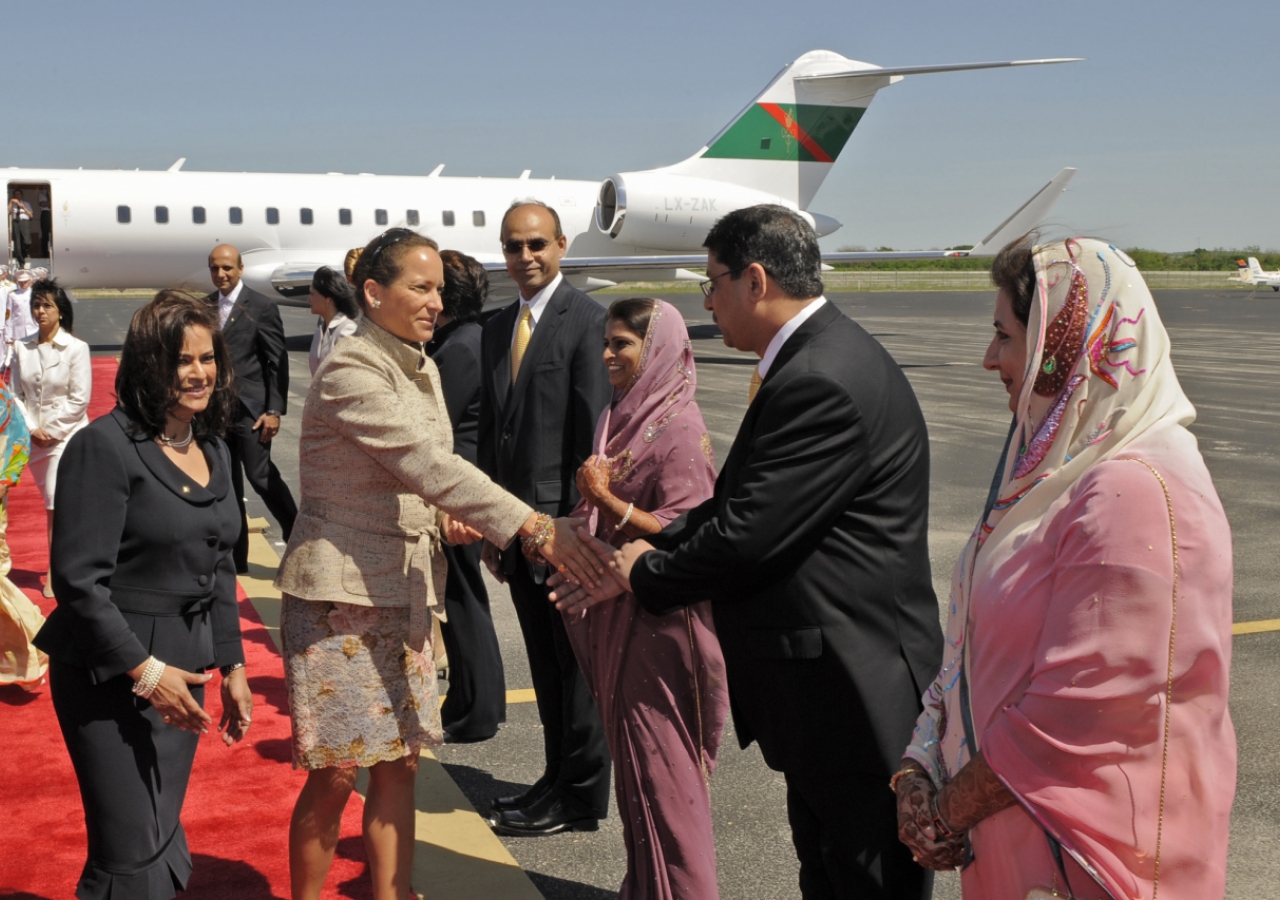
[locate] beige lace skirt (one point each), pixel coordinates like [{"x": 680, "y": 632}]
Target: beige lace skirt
[{"x": 358, "y": 695}]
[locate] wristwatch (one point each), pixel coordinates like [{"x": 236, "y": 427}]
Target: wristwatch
[{"x": 273, "y": 412}]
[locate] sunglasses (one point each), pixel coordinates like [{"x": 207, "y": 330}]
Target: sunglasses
[
  {"x": 515, "y": 248},
  {"x": 389, "y": 238}
]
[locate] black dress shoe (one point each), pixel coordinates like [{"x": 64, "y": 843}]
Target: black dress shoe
[
  {"x": 450, "y": 738},
  {"x": 520, "y": 801},
  {"x": 549, "y": 815}
]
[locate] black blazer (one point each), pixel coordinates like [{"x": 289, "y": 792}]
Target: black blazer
[
  {"x": 456, "y": 351},
  {"x": 814, "y": 552},
  {"x": 534, "y": 435},
  {"x": 255, "y": 341},
  {"x": 141, "y": 557}
]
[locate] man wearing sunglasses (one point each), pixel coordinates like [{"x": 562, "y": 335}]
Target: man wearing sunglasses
[{"x": 544, "y": 387}]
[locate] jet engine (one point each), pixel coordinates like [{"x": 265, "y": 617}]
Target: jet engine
[{"x": 662, "y": 211}]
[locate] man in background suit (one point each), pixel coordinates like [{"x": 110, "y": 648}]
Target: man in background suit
[
  {"x": 814, "y": 553},
  {"x": 545, "y": 386},
  {"x": 254, "y": 334}
]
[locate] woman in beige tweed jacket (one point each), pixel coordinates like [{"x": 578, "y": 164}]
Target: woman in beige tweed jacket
[{"x": 380, "y": 488}]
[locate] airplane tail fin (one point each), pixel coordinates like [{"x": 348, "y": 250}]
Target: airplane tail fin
[
  {"x": 786, "y": 140},
  {"x": 1255, "y": 267}
]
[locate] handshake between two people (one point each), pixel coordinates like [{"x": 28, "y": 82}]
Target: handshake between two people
[{"x": 587, "y": 570}]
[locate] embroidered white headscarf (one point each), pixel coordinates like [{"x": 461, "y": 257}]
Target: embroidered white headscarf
[{"x": 1098, "y": 377}]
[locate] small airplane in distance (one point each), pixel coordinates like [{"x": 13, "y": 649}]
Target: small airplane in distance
[
  {"x": 1251, "y": 272},
  {"x": 120, "y": 229}
]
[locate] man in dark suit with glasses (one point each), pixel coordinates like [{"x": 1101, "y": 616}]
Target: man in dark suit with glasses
[
  {"x": 544, "y": 387},
  {"x": 814, "y": 554}
]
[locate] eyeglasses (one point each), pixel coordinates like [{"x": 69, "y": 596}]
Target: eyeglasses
[
  {"x": 708, "y": 285},
  {"x": 515, "y": 248}
]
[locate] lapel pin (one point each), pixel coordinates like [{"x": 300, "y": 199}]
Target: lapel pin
[{"x": 186, "y": 490}]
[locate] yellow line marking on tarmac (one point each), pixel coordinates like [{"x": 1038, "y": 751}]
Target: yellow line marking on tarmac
[
  {"x": 455, "y": 853},
  {"x": 1252, "y": 627}
]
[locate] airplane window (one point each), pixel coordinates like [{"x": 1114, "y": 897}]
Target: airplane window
[
  {"x": 197, "y": 215},
  {"x": 477, "y": 218},
  {"x": 380, "y": 217},
  {"x": 411, "y": 218},
  {"x": 447, "y": 217},
  {"x": 237, "y": 215},
  {"x": 305, "y": 216},
  {"x": 122, "y": 215},
  {"x": 162, "y": 215},
  {"x": 344, "y": 217},
  {"x": 273, "y": 216}
]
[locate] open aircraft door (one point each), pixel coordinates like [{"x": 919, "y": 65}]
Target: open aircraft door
[{"x": 29, "y": 224}]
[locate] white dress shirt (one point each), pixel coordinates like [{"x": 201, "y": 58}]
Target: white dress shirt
[
  {"x": 326, "y": 338},
  {"x": 784, "y": 333},
  {"x": 536, "y": 304},
  {"x": 226, "y": 301}
]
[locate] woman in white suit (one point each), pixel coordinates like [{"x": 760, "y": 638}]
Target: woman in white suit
[{"x": 52, "y": 380}]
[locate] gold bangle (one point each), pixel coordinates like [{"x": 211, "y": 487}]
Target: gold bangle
[{"x": 900, "y": 774}]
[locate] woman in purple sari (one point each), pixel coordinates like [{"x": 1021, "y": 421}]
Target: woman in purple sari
[{"x": 658, "y": 681}]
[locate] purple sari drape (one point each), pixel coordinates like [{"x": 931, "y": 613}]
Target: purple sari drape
[{"x": 658, "y": 681}]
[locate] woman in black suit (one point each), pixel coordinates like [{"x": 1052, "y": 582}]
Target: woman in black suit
[
  {"x": 477, "y": 700},
  {"x": 146, "y": 592}
]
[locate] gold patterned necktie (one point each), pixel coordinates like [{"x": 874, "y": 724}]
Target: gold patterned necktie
[
  {"x": 756, "y": 380},
  {"x": 524, "y": 332}
]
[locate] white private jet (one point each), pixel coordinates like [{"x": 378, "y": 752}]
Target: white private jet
[
  {"x": 1252, "y": 273},
  {"x": 120, "y": 229}
]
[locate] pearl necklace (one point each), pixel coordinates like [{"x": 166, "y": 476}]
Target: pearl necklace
[{"x": 177, "y": 443}]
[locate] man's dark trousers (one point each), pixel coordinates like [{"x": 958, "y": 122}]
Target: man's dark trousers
[{"x": 532, "y": 437}]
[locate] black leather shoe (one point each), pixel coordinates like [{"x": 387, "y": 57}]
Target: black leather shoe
[
  {"x": 549, "y": 815},
  {"x": 520, "y": 801},
  {"x": 465, "y": 738}
]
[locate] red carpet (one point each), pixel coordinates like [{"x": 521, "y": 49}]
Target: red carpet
[{"x": 237, "y": 809}]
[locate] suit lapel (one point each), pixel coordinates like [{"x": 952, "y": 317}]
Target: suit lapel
[
  {"x": 167, "y": 472},
  {"x": 543, "y": 335},
  {"x": 812, "y": 327},
  {"x": 238, "y": 309},
  {"x": 501, "y": 374}
]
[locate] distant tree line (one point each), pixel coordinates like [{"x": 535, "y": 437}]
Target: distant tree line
[{"x": 1201, "y": 260}]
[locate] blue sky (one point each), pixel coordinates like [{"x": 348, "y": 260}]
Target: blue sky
[{"x": 1172, "y": 121}]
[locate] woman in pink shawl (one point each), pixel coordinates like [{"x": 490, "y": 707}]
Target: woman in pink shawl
[
  {"x": 1077, "y": 738},
  {"x": 658, "y": 681}
]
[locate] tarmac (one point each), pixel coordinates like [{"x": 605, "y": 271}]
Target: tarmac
[{"x": 1226, "y": 349}]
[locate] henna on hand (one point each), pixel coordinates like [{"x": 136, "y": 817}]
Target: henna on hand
[
  {"x": 915, "y": 824},
  {"x": 973, "y": 795}
]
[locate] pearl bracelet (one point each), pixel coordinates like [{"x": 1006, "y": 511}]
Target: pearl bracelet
[
  {"x": 631, "y": 507},
  {"x": 146, "y": 685}
]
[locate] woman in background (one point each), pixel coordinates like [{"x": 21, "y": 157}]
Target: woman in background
[
  {"x": 477, "y": 700},
  {"x": 52, "y": 379},
  {"x": 331, "y": 299},
  {"x": 658, "y": 681}
]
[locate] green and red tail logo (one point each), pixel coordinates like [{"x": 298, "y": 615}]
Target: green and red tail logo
[{"x": 788, "y": 132}]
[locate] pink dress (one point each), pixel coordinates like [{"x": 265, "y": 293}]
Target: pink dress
[
  {"x": 1062, "y": 614},
  {"x": 658, "y": 681}
]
